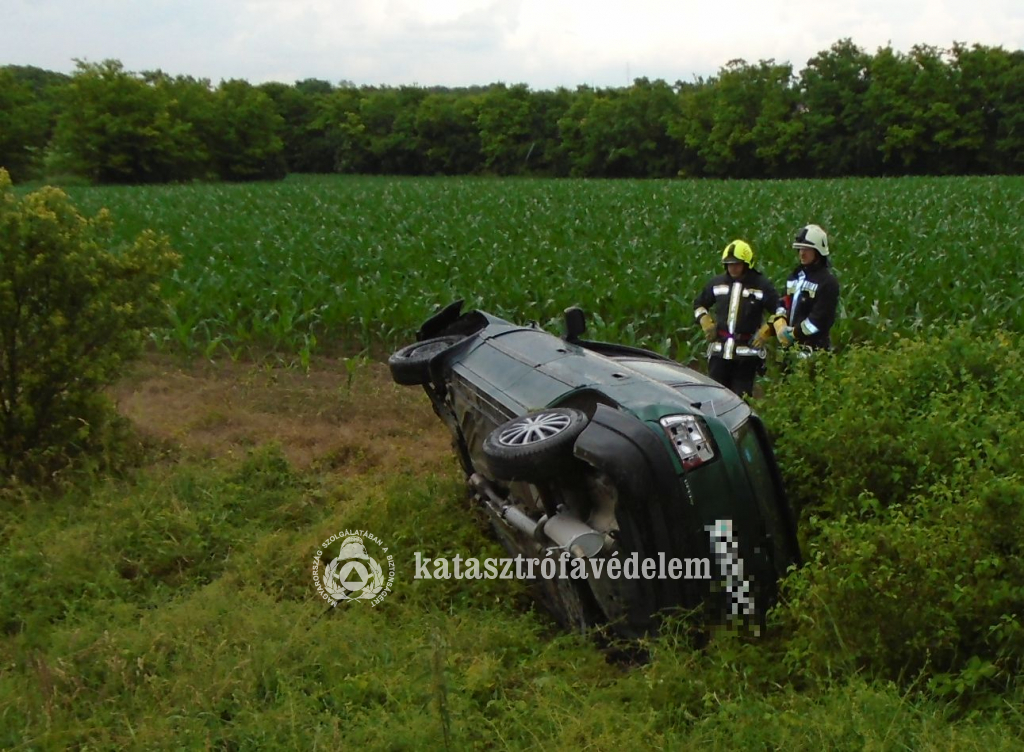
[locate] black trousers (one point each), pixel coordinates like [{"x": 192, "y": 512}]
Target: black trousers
[{"x": 737, "y": 374}]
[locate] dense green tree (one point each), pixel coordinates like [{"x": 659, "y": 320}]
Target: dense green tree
[
  {"x": 339, "y": 115},
  {"x": 307, "y": 147},
  {"x": 546, "y": 156},
  {"x": 41, "y": 82},
  {"x": 115, "y": 126},
  {"x": 644, "y": 146},
  {"x": 952, "y": 104},
  {"x": 246, "y": 142},
  {"x": 741, "y": 123},
  {"x": 28, "y": 114},
  {"x": 927, "y": 111},
  {"x": 19, "y": 122},
  {"x": 388, "y": 119},
  {"x": 837, "y": 126},
  {"x": 976, "y": 72},
  {"x": 624, "y": 133},
  {"x": 898, "y": 124},
  {"x": 314, "y": 87},
  {"x": 447, "y": 134},
  {"x": 1009, "y": 103},
  {"x": 189, "y": 100},
  {"x": 573, "y": 131},
  {"x": 505, "y": 125},
  {"x": 779, "y": 133}
]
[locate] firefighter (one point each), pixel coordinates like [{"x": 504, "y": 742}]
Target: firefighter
[
  {"x": 731, "y": 310},
  {"x": 812, "y": 294}
]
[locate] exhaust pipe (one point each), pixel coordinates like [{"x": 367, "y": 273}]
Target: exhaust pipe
[
  {"x": 565, "y": 530},
  {"x": 505, "y": 511}
]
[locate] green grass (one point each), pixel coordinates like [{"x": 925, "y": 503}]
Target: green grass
[
  {"x": 317, "y": 262},
  {"x": 177, "y": 611}
]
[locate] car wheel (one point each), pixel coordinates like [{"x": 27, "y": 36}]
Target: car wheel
[
  {"x": 534, "y": 446},
  {"x": 410, "y": 366}
]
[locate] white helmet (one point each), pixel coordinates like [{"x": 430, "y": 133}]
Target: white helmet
[{"x": 812, "y": 236}]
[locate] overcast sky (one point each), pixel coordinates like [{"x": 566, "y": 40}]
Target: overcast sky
[{"x": 543, "y": 43}]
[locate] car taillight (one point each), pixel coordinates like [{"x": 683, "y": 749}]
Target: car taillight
[{"x": 690, "y": 438}]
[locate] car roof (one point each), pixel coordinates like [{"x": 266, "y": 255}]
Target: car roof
[{"x": 528, "y": 368}]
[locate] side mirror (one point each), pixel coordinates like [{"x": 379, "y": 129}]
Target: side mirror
[{"x": 575, "y": 323}]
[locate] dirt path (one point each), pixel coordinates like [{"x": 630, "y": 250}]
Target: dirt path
[{"x": 335, "y": 417}]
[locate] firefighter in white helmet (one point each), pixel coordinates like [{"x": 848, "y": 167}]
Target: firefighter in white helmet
[
  {"x": 731, "y": 309},
  {"x": 812, "y": 294}
]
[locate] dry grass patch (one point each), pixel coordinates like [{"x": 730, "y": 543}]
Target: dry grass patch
[{"x": 337, "y": 416}]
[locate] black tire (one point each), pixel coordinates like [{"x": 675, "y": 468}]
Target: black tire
[
  {"x": 410, "y": 366},
  {"x": 577, "y": 610},
  {"x": 535, "y": 446}
]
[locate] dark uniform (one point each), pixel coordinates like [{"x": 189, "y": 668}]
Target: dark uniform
[
  {"x": 738, "y": 307},
  {"x": 812, "y": 297}
]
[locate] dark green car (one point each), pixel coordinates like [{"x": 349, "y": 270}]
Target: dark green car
[{"x": 592, "y": 451}]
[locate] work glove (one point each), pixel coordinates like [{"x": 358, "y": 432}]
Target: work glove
[
  {"x": 708, "y": 325},
  {"x": 784, "y": 331},
  {"x": 761, "y": 338},
  {"x": 786, "y": 336}
]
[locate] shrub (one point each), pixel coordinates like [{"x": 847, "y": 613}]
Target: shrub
[
  {"x": 904, "y": 461},
  {"x": 874, "y": 425},
  {"x": 72, "y": 312},
  {"x": 930, "y": 591}
]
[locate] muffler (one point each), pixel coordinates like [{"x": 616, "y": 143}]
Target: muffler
[{"x": 572, "y": 534}]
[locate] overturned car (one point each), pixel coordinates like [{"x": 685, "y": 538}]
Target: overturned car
[{"x": 593, "y": 451}]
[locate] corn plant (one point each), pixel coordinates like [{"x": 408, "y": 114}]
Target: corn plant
[{"x": 359, "y": 262}]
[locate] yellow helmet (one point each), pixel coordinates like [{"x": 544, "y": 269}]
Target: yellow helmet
[{"x": 738, "y": 251}]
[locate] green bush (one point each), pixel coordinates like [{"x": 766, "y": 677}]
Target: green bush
[
  {"x": 904, "y": 462},
  {"x": 72, "y": 312},
  {"x": 874, "y": 425}
]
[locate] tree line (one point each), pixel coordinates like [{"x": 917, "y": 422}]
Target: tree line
[{"x": 847, "y": 113}]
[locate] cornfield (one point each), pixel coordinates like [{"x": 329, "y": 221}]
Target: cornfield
[{"x": 359, "y": 262}]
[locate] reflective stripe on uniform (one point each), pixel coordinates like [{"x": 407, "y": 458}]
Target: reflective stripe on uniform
[
  {"x": 795, "y": 288},
  {"x": 808, "y": 328},
  {"x": 702, "y": 311},
  {"x": 729, "y": 348},
  {"x": 734, "y": 305},
  {"x": 720, "y": 289}
]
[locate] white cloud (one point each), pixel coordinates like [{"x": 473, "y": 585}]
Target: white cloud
[{"x": 544, "y": 43}]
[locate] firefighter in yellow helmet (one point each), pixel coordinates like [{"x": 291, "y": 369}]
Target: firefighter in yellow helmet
[{"x": 731, "y": 309}]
